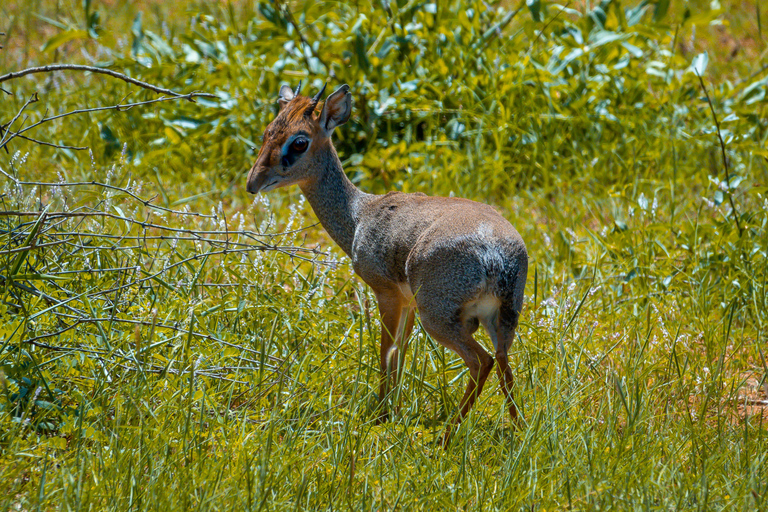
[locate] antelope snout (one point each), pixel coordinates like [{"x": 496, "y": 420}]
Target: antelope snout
[{"x": 256, "y": 179}]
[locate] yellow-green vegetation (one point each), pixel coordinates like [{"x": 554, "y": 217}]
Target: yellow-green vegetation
[{"x": 169, "y": 343}]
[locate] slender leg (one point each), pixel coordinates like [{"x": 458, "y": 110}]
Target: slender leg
[
  {"x": 404, "y": 331},
  {"x": 506, "y": 382},
  {"x": 502, "y": 333},
  {"x": 480, "y": 363},
  {"x": 501, "y": 339},
  {"x": 398, "y": 351},
  {"x": 390, "y": 309}
]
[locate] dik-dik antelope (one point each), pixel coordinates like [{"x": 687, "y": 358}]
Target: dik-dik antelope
[{"x": 458, "y": 261}]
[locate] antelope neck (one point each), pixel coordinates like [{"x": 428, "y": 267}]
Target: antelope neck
[{"x": 335, "y": 200}]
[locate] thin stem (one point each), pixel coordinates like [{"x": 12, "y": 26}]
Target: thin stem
[
  {"x": 724, "y": 156},
  {"x": 302, "y": 39},
  {"x": 6, "y": 129},
  {"x": 119, "y": 107},
  {"x": 145, "y": 202},
  {"x": 145, "y": 224}
]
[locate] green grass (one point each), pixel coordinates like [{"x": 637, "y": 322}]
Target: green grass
[{"x": 217, "y": 353}]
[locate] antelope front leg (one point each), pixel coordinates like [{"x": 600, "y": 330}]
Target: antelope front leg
[
  {"x": 391, "y": 311},
  {"x": 397, "y": 352}
]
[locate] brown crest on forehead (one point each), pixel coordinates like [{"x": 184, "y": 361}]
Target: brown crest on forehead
[{"x": 295, "y": 109}]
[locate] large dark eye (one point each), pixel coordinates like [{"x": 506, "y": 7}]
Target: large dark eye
[{"x": 300, "y": 145}]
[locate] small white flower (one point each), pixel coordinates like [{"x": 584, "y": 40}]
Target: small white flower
[{"x": 642, "y": 202}]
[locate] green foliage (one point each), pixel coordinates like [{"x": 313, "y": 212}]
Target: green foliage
[{"x": 167, "y": 342}]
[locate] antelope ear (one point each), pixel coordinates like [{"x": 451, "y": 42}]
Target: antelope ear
[
  {"x": 336, "y": 109},
  {"x": 286, "y": 95}
]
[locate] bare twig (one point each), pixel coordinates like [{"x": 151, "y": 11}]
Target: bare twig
[
  {"x": 68, "y": 309},
  {"x": 745, "y": 82},
  {"x": 145, "y": 202},
  {"x": 174, "y": 371},
  {"x": 50, "y": 144},
  {"x": 44, "y": 296},
  {"x": 103, "y": 71},
  {"x": 6, "y": 129},
  {"x": 36, "y": 246},
  {"x": 546, "y": 25},
  {"x": 198, "y": 257},
  {"x": 144, "y": 224},
  {"x": 119, "y": 107}
]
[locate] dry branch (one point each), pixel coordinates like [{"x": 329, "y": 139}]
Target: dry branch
[
  {"x": 6, "y": 129},
  {"x": 48, "y": 257},
  {"x": 125, "y": 78}
]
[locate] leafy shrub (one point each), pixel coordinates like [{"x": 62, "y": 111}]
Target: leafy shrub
[{"x": 170, "y": 342}]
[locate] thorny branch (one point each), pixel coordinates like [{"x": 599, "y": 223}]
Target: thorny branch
[{"x": 8, "y": 135}]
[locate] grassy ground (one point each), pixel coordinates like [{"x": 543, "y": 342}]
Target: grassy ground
[{"x": 168, "y": 342}]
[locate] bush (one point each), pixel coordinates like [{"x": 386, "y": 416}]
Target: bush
[{"x": 169, "y": 342}]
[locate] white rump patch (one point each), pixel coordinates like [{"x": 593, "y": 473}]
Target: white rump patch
[{"x": 484, "y": 308}]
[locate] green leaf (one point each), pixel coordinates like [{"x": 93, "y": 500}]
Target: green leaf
[
  {"x": 535, "y": 7},
  {"x": 38, "y": 277},
  {"x": 107, "y": 136},
  {"x": 632, "y": 49},
  {"x": 93, "y": 25},
  {"x": 63, "y": 38},
  {"x": 138, "y": 34},
  {"x": 735, "y": 181},
  {"x": 603, "y": 37},
  {"x": 662, "y": 6},
  {"x": 699, "y": 64}
]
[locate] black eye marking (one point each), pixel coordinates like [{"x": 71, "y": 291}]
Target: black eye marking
[{"x": 294, "y": 148}]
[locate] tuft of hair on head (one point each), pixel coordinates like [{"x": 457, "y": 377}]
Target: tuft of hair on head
[{"x": 297, "y": 106}]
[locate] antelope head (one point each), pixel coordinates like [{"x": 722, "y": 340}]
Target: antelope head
[{"x": 296, "y": 142}]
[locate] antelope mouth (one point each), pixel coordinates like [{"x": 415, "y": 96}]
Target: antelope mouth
[
  {"x": 272, "y": 185},
  {"x": 262, "y": 182}
]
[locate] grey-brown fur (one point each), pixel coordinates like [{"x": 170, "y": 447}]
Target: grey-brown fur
[{"x": 458, "y": 261}]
